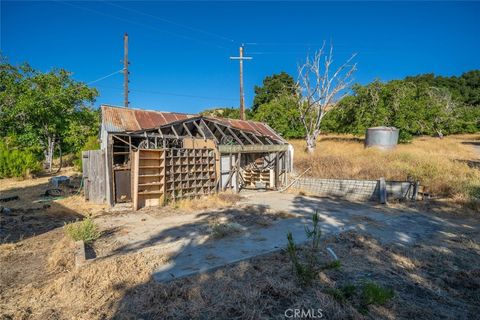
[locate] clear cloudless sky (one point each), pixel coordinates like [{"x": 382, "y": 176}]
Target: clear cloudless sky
[{"x": 179, "y": 51}]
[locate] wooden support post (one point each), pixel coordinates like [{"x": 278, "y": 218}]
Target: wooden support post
[
  {"x": 134, "y": 173},
  {"x": 110, "y": 175},
  {"x": 237, "y": 170},
  {"x": 382, "y": 188},
  {"x": 277, "y": 165}
]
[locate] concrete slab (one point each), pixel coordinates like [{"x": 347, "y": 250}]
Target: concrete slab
[{"x": 200, "y": 255}]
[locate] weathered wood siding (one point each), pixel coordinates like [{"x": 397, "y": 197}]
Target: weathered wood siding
[{"x": 94, "y": 178}]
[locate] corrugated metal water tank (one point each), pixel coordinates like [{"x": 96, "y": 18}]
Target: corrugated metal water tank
[{"x": 385, "y": 138}]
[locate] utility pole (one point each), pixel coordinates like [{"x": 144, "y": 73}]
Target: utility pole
[
  {"x": 125, "y": 69},
  {"x": 240, "y": 58}
]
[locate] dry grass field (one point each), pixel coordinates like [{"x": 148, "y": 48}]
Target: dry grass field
[
  {"x": 443, "y": 166},
  {"x": 437, "y": 278},
  {"x": 428, "y": 280}
]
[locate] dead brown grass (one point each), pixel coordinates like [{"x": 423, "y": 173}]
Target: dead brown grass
[
  {"x": 214, "y": 201},
  {"x": 62, "y": 256},
  {"x": 88, "y": 292},
  {"x": 437, "y": 163},
  {"x": 436, "y": 278}
]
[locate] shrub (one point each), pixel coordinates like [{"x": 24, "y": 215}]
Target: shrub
[
  {"x": 85, "y": 230},
  {"x": 332, "y": 265},
  {"x": 343, "y": 293},
  {"x": 348, "y": 290},
  {"x": 373, "y": 293},
  {"x": 17, "y": 163},
  {"x": 306, "y": 271},
  {"x": 336, "y": 294}
]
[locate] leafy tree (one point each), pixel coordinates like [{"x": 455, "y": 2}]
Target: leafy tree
[
  {"x": 45, "y": 109},
  {"x": 465, "y": 89},
  {"x": 415, "y": 107},
  {"x": 282, "y": 115},
  {"x": 273, "y": 86}
]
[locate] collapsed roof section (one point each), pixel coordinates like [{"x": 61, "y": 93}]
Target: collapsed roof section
[{"x": 240, "y": 134}]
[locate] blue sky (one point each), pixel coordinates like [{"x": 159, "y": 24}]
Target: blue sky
[{"x": 179, "y": 51}]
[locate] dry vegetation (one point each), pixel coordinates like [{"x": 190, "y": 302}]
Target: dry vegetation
[
  {"x": 433, "y": 279},
  {"x": 214, "y": 201},
  {"x": 429, "y": 281},
  {"x": 441, "y": 165}
]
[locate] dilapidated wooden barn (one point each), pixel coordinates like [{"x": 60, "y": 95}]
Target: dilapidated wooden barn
[{"x": 153, "y": 157}]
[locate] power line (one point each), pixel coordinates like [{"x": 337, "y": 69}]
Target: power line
[
  {"x": 88, "y": 83},
  {"x": 277, "y": 52},
  {"x": 172, "y": 94},
  {"x": 137, "y": 23},
  {"x": 173, "y": 22},
  {"x": 105, "y": 77},
  {"x": 283, "y": 44}
]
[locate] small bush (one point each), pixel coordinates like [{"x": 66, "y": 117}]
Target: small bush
[
  {"x": 373, "y": 293},
  {"x": 332, "y": 265},
  {"x": 306, "y": 271},
  {"x": 336, "y": 294},
  {"x": 17, "y": 163},
  {"x": 343, "y": 293},
  {"x": 85, "y": 230},
  {"x": 348, "y": 290}
]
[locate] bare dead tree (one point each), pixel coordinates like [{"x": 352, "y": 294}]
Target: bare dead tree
[{"x": 319, "y": 88}]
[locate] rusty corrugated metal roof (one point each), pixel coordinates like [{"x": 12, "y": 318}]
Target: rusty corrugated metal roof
[{"x": 120, "y": 119}]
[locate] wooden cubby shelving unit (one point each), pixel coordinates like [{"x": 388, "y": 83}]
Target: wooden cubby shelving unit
[
  {"x": 161, "y": 176},
  {"x": 190, "y": 173}
]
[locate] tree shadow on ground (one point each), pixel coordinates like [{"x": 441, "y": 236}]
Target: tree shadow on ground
[
  {"x": 33, "y": 213},
  {"x": 435, "y": 278}
]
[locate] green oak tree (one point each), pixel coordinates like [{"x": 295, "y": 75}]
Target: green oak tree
[
  {"x": 273, "y": 86},
  {"x": 49, "y": 111}
]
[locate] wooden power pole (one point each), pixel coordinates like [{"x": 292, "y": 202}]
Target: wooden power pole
[
  {"x": 240, "y": 58},
  {"x": 125, "y": 69}
]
